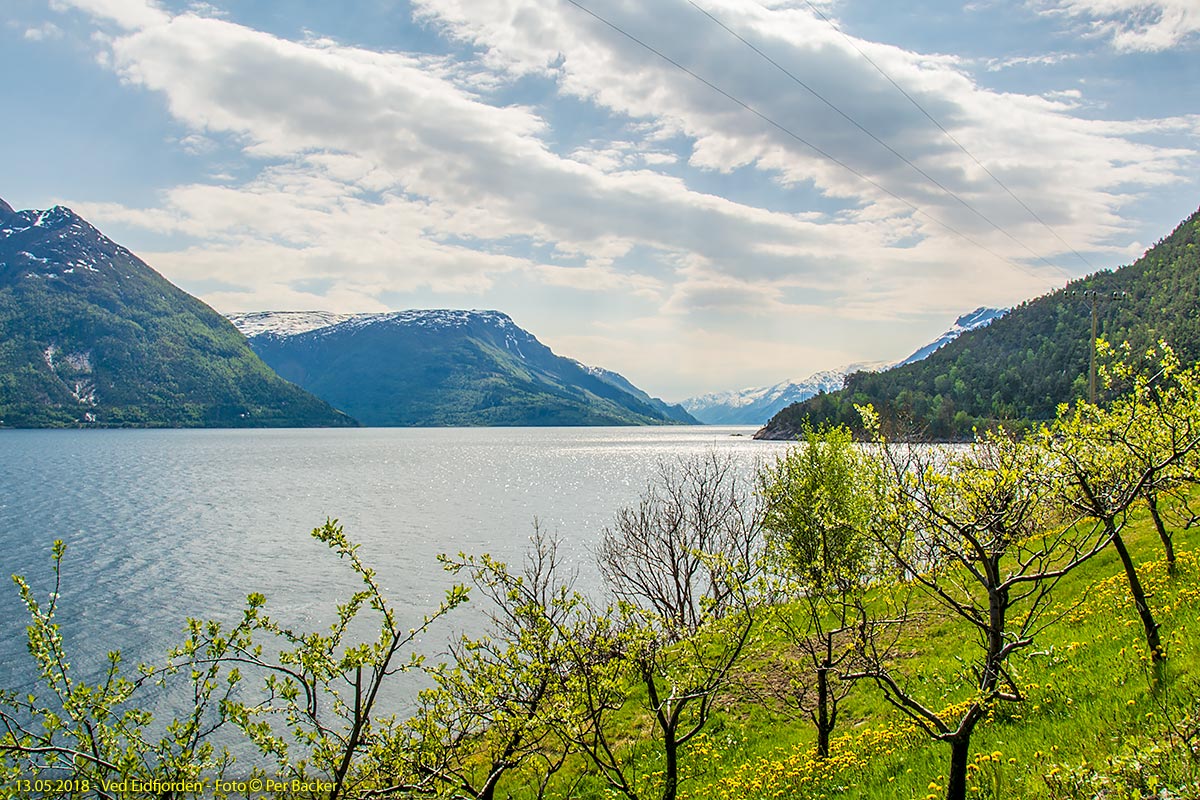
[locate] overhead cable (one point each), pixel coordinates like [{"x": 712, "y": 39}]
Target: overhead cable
[
  {"x": 950, "y": 136},
  {"x": 792, "y": 134},
  {"x": 877, "y": 140}
]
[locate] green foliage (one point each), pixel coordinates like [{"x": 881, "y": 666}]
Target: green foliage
[
  {"x": 503, "y": 704},
  {"x": 317, "y": 715},
  {"x": 683, "y": 565},
  {"x": 1148, "y": 440},
  {"x": 314, "y": 716},
  {"x": 87, "y": 738},
  {"x": 820, "y": 500},
  {"x": 1023, "y": 365}
]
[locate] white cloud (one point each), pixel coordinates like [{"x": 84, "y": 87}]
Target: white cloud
[
  {"x": 299, "y": 225},
  {"x": 1023, "y": 138},
  {"x": 1138, "y": 25},
  {"x": 126, "y": 14},
  {"x": 597, "y": 278},
  {"x": 47, "y": 30},
  {"x": 384, "y": 173},
  {"x": 1047, "y": 59},
  {"x": 197, "y": 144},
  {"x": 483, "y": 172}
]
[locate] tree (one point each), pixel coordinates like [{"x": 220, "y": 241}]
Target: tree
[
  {"x": 821, "y": 502},
  {"x": 315, "y": 716},
  {"x": 979, "y": 533},
  {"x": 1143, "y": 443},
  {"x": 323, "y": 691},
  {"x": 87, "y": 736},
  {"x": 500, "y": 704},
  {"x": 1168, "y": 443},
  {"x": 681, "y": 565}
]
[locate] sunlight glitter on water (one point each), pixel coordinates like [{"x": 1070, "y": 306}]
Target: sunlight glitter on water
[{"x": 162, "y": 525}]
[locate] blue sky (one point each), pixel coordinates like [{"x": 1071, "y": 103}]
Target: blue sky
[{"x": 526, "y": 156}]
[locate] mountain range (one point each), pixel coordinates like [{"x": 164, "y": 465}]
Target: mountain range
[
  {"x": 756, "y": 405},
  {"x": 444, "y": 367},
  {"x": 91, "y": 335}
]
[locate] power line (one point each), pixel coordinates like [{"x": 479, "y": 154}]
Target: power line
[
  {"x": 951, "y": 137},
  {"x": 877, "y": 140},
  {"x": 787, "y": 131}
]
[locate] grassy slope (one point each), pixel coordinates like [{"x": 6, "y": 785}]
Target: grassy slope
[
  {"x": 1089, "y": 701},
  {"x": 1090, "y": 721}
]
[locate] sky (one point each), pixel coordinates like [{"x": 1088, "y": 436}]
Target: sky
[{"x": 700, "y": 194}]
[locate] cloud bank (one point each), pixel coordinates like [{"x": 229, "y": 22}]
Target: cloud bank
[{"x": 557, "y": 153}]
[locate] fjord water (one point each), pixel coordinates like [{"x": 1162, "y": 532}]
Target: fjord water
[{"x": 165, "y": 524}]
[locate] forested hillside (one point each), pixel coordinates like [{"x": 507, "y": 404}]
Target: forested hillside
[{"x": 1023, "y": 365}]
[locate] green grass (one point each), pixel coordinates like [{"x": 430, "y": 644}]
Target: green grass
[
  {"x": 1096, "y": 721},
  {"x": 1093, "y": 705}
]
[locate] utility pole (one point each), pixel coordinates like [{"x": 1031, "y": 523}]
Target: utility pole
[{"x": 1095, "y": 297}]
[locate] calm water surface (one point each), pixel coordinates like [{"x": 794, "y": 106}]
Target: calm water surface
[{"x": 162, "y": 525}]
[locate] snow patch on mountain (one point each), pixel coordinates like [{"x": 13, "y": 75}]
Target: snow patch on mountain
[
  {"x": 294, "y": 323},
  {"x": 284, "y": 323},
  {"x": 77, "y": 244},
  {"x": 979, "y": 318}
]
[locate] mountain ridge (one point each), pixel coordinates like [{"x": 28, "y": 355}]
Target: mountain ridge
[{"x": 443, "y": 367}]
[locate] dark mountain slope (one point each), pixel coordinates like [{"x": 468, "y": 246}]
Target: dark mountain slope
[
  {"x": 89, "y": 334},
  {"x": 444, "y": 367}
]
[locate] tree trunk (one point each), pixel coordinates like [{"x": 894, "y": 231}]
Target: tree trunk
[
  {"x": 671, "y": 774},
  {"x": 823, "y": 725},
  {"x": 960, "y": 749},
  {"x": 1168, "y": 545},
  {"x": 1139, "y": 595},
  {"x": 997, "y": 611}
]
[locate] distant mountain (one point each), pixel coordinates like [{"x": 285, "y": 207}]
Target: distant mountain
[
  {"x": 676, "y": 413},
  {"x": 444, "y": 367},
  {"x": 755, "y": 406},
  {"x": 979, "y": 318},
  {"x": 90, "y": 335},
  {"x": 1023, "y": 365}
]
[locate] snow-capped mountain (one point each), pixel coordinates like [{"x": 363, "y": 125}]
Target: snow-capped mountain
[
  {"x": 91, "y": 335},
  {"x": 293, "y": 323},
  {"x": 64, "y": 241},
  {"x": 444, "y": 367},
  {"x": 979, "y": 318},
  {"x": 756, "y": 405}
]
